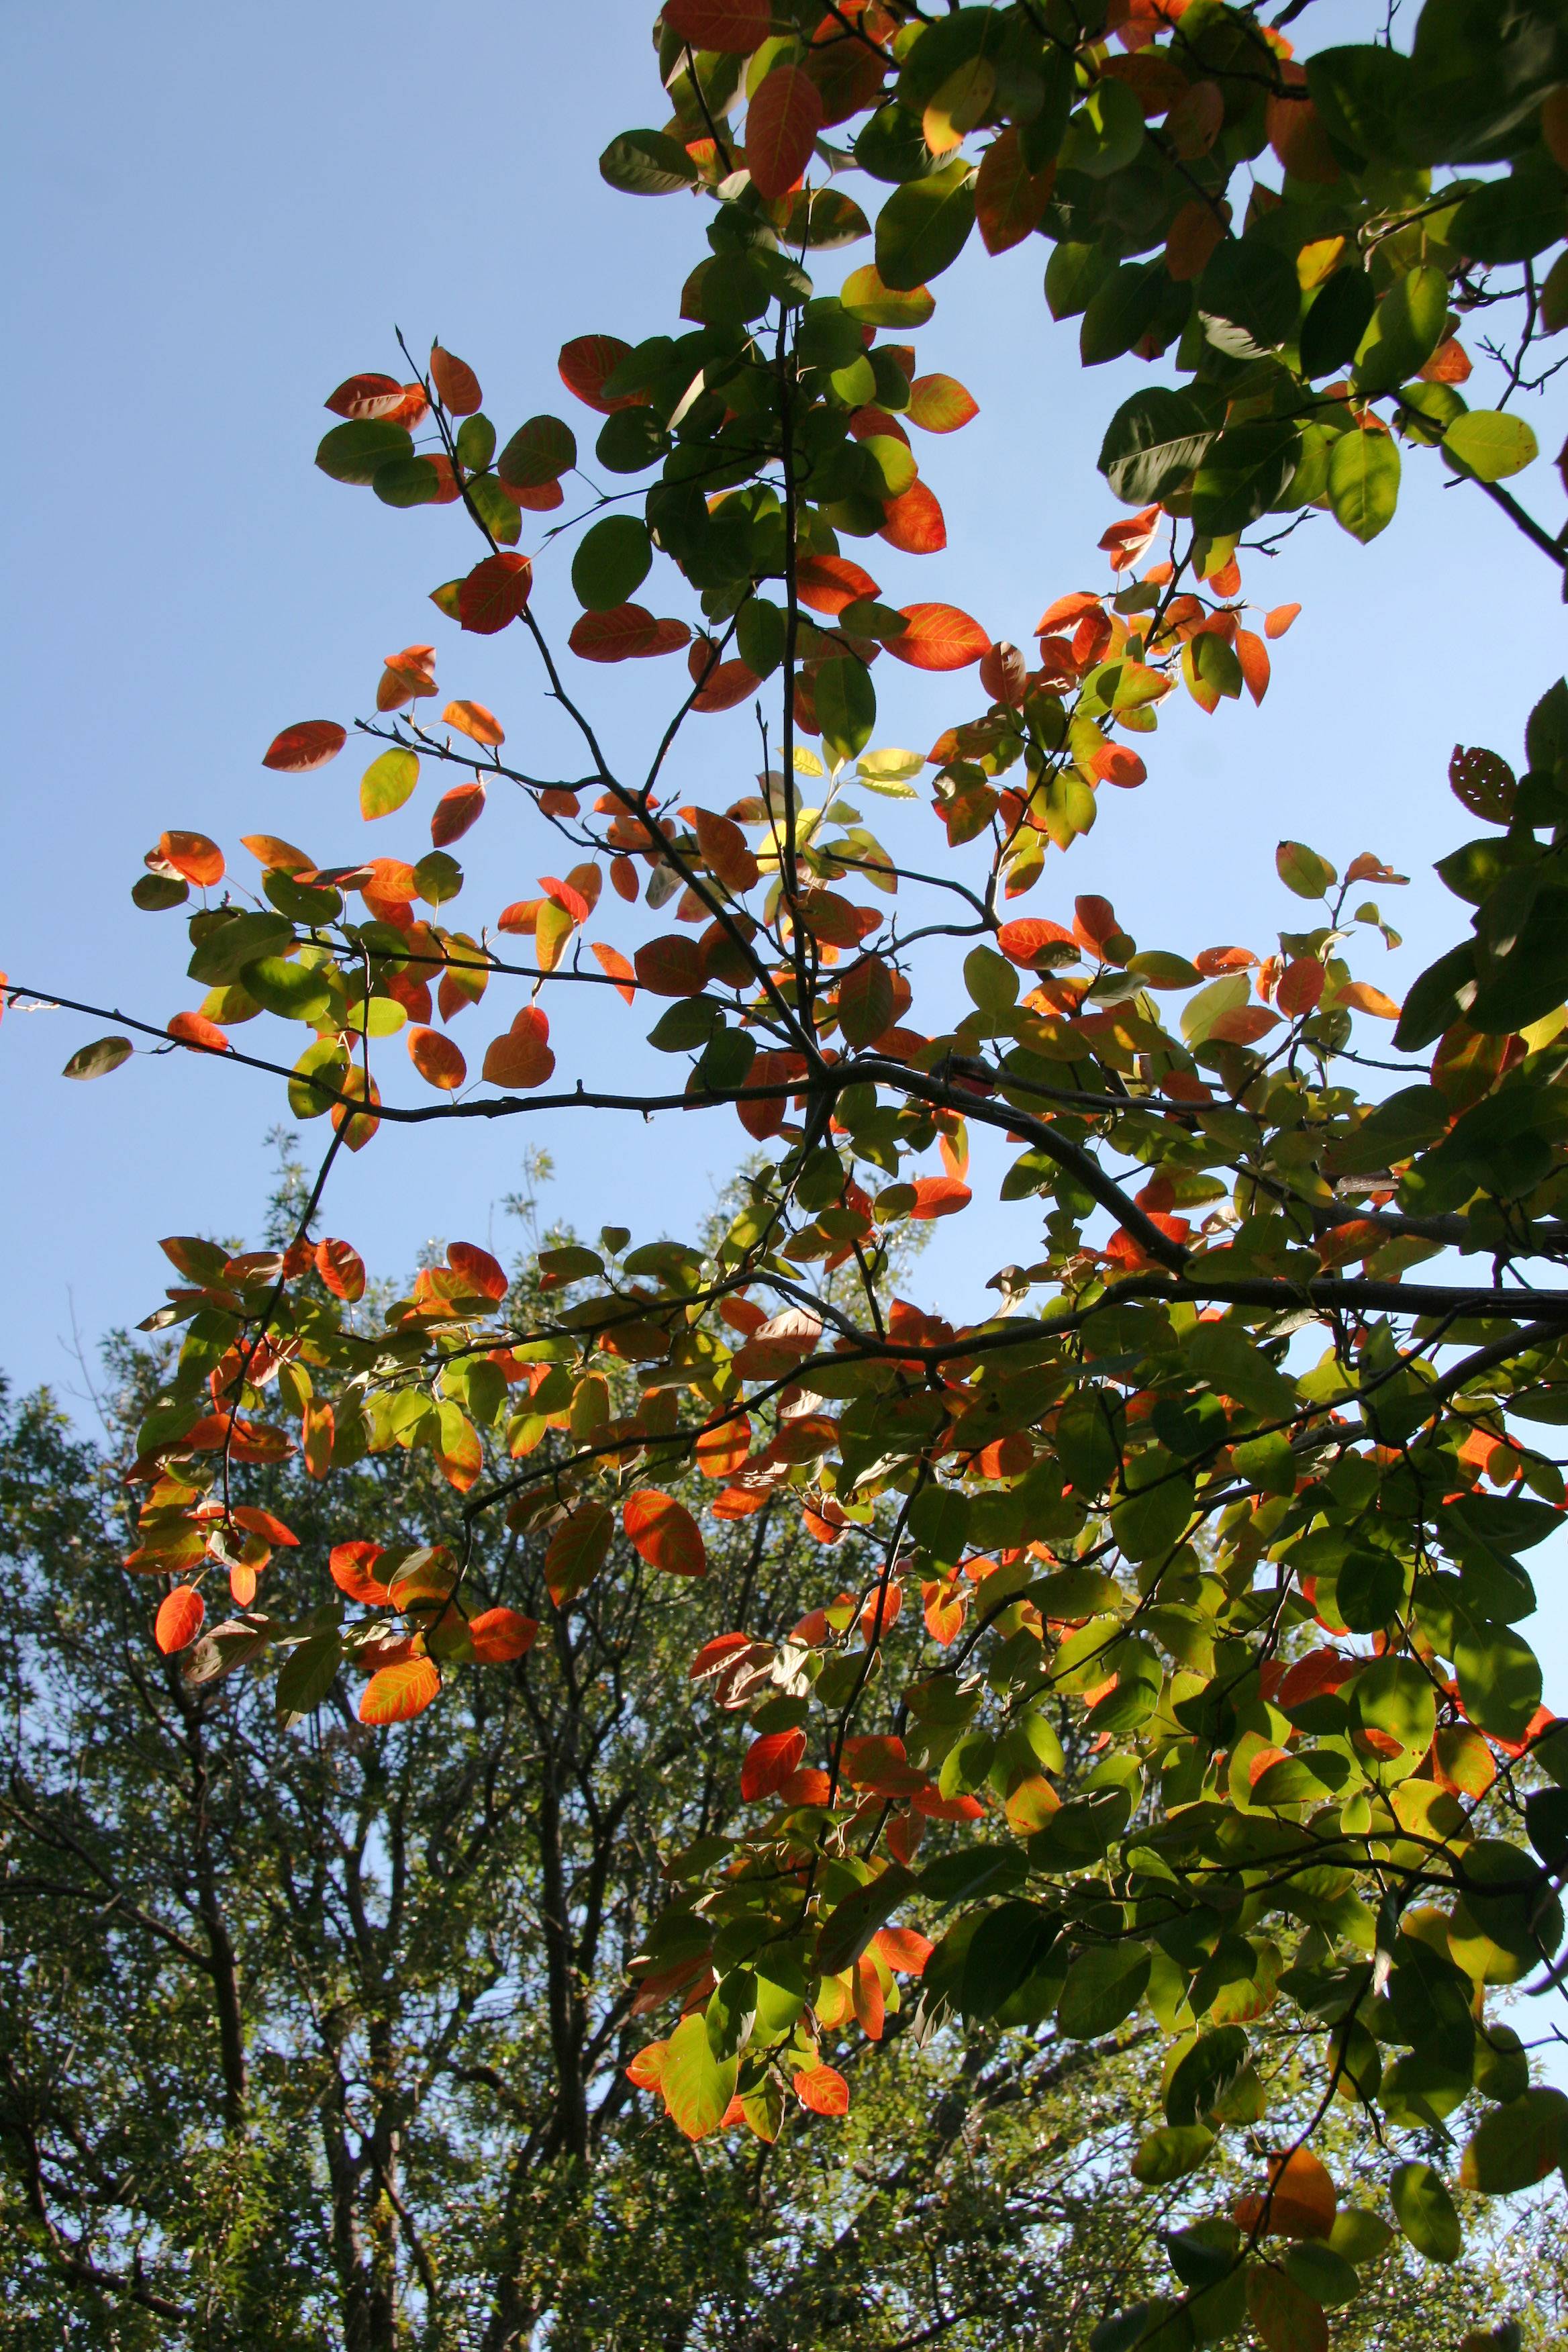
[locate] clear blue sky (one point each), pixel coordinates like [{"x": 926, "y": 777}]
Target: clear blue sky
[{"x": 212, "y": 221}]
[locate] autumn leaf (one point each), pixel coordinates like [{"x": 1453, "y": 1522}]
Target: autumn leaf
[
  {"x": 456, "y": 384},
  {"x": 395, "y": 1693},
  {"x": 782, "y": 123},
  {"x": 499, "y": 1635},
  {"x": 179, "y": 1618},
  {"x": 521, "y": 1057},
  {"x": 342, "y": 1269},
  {"x": 664, "y": 1533},
  {"x": 494, "y": 593},
  {"x": 308, "y": 744},
  {"x": 437, "y": 1060},
  {"x": 821, "y": 2089}
]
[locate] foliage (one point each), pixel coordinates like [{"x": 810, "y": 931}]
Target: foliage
[
  {"x": 352, "y": 1950},
  {"x": 1256, "y": 1520}
]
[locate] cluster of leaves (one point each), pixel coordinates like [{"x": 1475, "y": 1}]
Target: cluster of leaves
[
  {"x": 1281, "y": 1590},
  {"x": 376, "y": 2109}
]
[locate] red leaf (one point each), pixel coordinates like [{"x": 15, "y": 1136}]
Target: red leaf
[
  {"x": 494, "y": 593},
  {"x": 193, "y": 856},
  {"x": 478, "y": 1269},
  {"x": 499, "y": 1635},
  {"x": 195, "y": 1029},
  {"x": 521, "y": 1057},
  {"x": 265, "y": 1524},
  {"x": 342, "y": 1269},
  {"x": 359, "y": 396},
  {"x": 1300, "y": 986},
  {"x": 454, "y": 812},
  {"x": 310, "y": 744},
  {"x": 622, "y": 633},
  {"x": 672, "y": 966},
  {"x": 782, "y": 123},
  {"x": 179, "y": 1618},
  {"x": 719, "y": 1452},
  {"x": 735, "y": 28},
  {"x": 914, "y": 523},
  {"x": 732, "y": 682},
  {"x": 828, "y": 583},
  {"x": 823, "y": 2090},
  {"x": 1009, "y": 199},
  {"x": 438, "y": 1062},
  {"x": 350, "y": 1565},
  {"x": 939, "y": 637},
  {"x": 577, "y": 1549},
  {"x": 1118, "y": 763},
  {"x": 456, "y": 382},
  {"x": 768, "y": 1762},
  {"x": 586, "y": 361},
  {"x": 904, "y": 1949},
  {"x": 400, "y": 1691},
  {"x": 664, "y": 1532}
]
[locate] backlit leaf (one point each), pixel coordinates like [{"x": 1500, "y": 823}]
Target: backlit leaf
[
  {"x": 308, "y": 744},
  {"x": 782, "y": 123},
  {"x": 395, "y": 1693},
  {"x": 179, "y": 1618},
  {"x": 664, "y": 1533},
  {"x": 521, "y": 1057},
  {"x": 494, "y": 593}
]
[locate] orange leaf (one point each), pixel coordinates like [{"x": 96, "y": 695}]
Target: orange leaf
[
  {"x": 939, "y": 403},
  {"x": 725, "y": 687},
  {"x": 823, "y": 2090},
  {"x": 1276, "y": 623},
  {"x": 1212, "y": 962},
  {"x": 913, "y": 522},
  {"x": 454, "y": 812},
  {"x": 1245, "y": 1027},
  {"x": 361, "y": 396},
  {"x": 191, "y": 854},
  {"x": 625, "y": 633},
  {"x": 647, "y": 2069},
  {"x": 1025, "y": 940},
  {"x": 584, "y": 364},
  {"x": 938, "y": 636},
  {"x": 522, "y": 1057},
  {"x": 350, "y": 1565},
  {"x": 1118, "y": 763},
  {"x": 725, "y": 849},
  {"x": 438, "y": 1062},
  {"x": 494, "y": 593},
  {"x": 478, "y": 1269},
  {"x": 1253, "y": 655},
  {"x": 179, "y": 1618},
  {"x": 472, "y": 718},
  {"x": 395, "y": 1693},
  {"x": 938, "y": 1196},
  {"x": 722, "y": 1450},
  {"x": 1009, "y": 199},
  {"x": 769, "y": 1763},
  {"x": 577, "y": 1551},
  {"x": 1074, "y": 608},
  {"x": 614, "y": 964},
  {"x": 904, "y": 1949},
  {"x": 1300, "y": 986},
  {"x": 1197, "y": 229},
  {"x": 195, "y": 1029},
  {"x": 664, "y": 1533},
  {"x": 1362, "y": 997},
  {"x": 342, "y": 1269},
  {"x": 1303, "y": 2200},
  {"x": 828, "y": 583},
  {"x": 258, "y": 1522},
  {"x": 782, "y": 123},
  {"x": 310, "y": 744},
  {"x": 456, "y": 382},
  {"x": 499, "y": 1635}
]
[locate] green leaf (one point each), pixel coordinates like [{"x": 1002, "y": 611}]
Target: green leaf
[
  {"x": 355, "y": 452},
  {"x": 1364, "y": 482},
  {"x": 973, "y": 1870},
  {"x": 295, "y": 992},
  {"x": 868, "y": 297},
  {"x": 407, "y": 482},
  {"x": 1405, "y": 329},
  {"x": 1395, "y": 1696},
  {"x": 388, "y": 781},
  {"x": 1170, "y": 2154},
  {"x": 1074, "y": 275},
  {"x": 1004, "y": 1950},
  {"x": 1490, "y": 445},
  {"x": 647, "y": 164},
  {"x": 612, "y": 559},
  {"x": 1334, "y": 325},
  {"x": 1204, "y": 2073},
  {"x": 1512, "y": 219},
  {"x": 1360, "y": 91},
  {"x": 850, "y": 1925},
  {"x": 846, "y": 702},
  {"x": 1518, "y": 2145},
  {"x": 96, "y": 1060},
  {"x": 924, "y": 227},
  {"x": 1105, "y": 134},
  {"x": 539, "y": 453},
  {"x": 697, "y": 2086},
  {"x": 1103, "y": 1987},
  {"x": 1425, "y": 2211},
  {"x": 1242, "y": 476},
  {"x": 1500, "y": 1679},
  {"x": 1248, "y": 297},
  {"x": 308, "y": 1673},
  {"x": 499, "y": 514},
  {"x": 1121, "y": 310},
  {"x": 1438, "y": 998},
  {"x": 1303, "y": 871}
]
